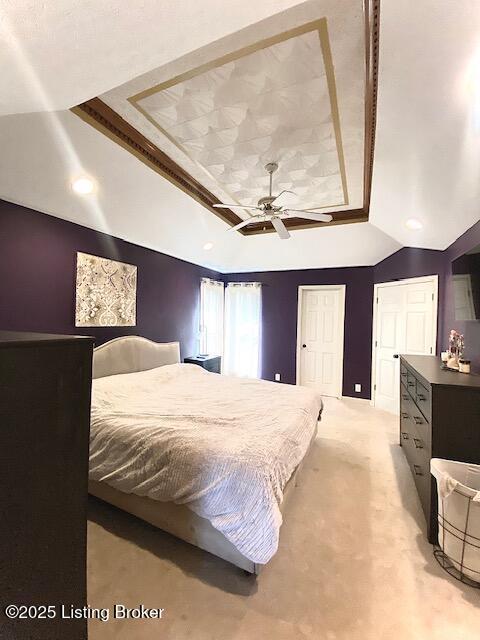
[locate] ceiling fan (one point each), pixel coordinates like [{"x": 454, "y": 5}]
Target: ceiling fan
[{"x": 270, "y": 209}]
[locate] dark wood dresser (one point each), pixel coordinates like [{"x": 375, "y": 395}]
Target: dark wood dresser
[
  {"x": 45, "y": 386},
  {"x": 439, "y": 418},
  {"x": 210, "y": 363}
]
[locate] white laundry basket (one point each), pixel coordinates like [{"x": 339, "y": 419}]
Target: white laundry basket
[{"x": 458, "y": 485}]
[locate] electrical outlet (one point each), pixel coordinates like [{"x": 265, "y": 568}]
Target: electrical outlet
[
  {"x": 277, "y": 377},
  {"x": 358, "y": 388}
]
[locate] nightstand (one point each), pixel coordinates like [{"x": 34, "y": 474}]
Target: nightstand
[{"x": 210, "y": 363}]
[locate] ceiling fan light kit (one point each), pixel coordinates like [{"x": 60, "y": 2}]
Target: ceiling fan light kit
[{"x": 270, "y": 209}]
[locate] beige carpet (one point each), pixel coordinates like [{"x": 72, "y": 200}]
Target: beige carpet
[{"x": 353, "y": 563}]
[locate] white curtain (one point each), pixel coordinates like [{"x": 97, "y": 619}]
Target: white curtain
[
  {"x": 211, "y": 317},
  {"x": 243, "y": 309}
]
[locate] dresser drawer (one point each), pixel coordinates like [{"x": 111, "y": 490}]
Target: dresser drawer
[
  {"x": 411, "y": 384},
  {"x": 422, "y": 478},
  {"x": 406, "y": 427},
  {"x": 423, "y": 400},
  {"x": 421, "y": 425},
  {"x": 404, "y": 396},
  {"x": 403, "y": 374}
]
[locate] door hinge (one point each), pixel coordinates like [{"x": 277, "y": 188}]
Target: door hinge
[
  {"x": 374, "y": 387},
  {"x": 433, "y": 296},
  {"x": 376, "y": 343},
  {"x": 431, "y": 349},
  {"x": 376, "y": 301}
]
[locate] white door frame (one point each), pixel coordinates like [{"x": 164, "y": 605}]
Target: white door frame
[
  {"x": 376, "y": 286},
  {"x": 341, "y": 325}
]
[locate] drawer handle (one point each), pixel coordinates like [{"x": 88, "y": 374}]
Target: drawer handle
[
  {"x": 411, "y": 384},
  {"x": 417, "y": 420},
  {"x": 404, "y": 374},
  {"x": 405, "y": 435},
  {"x": 404, "y": 396},
  {"x": 418, "y": 443},
  {"x": 404, "y": 415},
  {"x": 421, "y": 397},
  {"x": 418, "y": 470}
]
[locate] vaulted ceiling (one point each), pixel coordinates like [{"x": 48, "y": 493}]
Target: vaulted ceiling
[{"x": 221, "y": 95}]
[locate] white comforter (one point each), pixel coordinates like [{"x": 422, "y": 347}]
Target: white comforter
[{"x": 223, "y": 446}]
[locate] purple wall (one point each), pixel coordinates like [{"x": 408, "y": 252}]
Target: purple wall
[
  {"x": 37, "y": 280},
  {"x": 37, "y": 285},
  {"x": 411, "y": 263},
  {"x": 279, "y": 310}
]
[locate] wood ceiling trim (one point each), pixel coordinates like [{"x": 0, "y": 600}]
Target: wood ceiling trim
[
  {"x": 109, "y": 122},
  {"x": 98, "y": 114}
]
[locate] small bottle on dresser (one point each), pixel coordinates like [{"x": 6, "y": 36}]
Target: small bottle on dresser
[{"x": 464, "y": 366}]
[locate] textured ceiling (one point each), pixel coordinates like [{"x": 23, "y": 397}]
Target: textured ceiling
[
  {"x": 269, "y": 105},
  {"x": 427, "y": 145},
  {"x": 57, "y": 53},
  {"x": 294, "y": 86}
]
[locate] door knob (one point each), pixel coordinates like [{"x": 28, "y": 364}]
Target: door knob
[
  {"x": 395, "y": 355},
  {"x": 304, "y": 346}
]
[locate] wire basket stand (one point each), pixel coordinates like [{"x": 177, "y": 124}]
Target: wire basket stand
[{"x": 452, "y": 567}]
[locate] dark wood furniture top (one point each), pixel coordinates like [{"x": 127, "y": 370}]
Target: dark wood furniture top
[
  {"x": 21, "y": 338},
  {"x": 429, "y": 369},
  {"x": 439, "y": 418},
  {"x": 45, "y": 385},
  {"x": 210, "y": 363}
]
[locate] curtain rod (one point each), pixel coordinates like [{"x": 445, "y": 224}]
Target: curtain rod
[
  {"x": 244, "y": 284},
  {"x": 213, "y": 281}
]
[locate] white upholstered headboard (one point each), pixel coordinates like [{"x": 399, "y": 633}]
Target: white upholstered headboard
[{"x": 129, "y": 354}]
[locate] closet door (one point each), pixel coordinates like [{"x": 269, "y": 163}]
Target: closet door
[{"x": 405, "y": 323}]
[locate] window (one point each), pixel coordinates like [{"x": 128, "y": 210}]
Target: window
[
  {"x": 211, "y": 317},
  {"x": 242, "y": 329}
]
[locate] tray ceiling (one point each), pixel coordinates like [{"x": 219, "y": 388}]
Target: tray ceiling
[
  {"x": 302, "y": 97},
  {"x": 276, "y": 103}
]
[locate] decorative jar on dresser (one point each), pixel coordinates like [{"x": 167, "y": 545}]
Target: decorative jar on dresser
[{"x": 439, "y": 418}]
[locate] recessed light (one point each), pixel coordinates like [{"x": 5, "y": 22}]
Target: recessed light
[
  {"x": 413, "y": 223},
  {"x": 208, "y": 245},
  {"x": 83, "y": 186}
]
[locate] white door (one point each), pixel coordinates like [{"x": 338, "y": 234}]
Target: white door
[
  {"x": 405, "y": 323},
  {"x": 320, "y": 338}
]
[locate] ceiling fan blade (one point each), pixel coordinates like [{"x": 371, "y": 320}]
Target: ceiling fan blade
[
  {"x": 234, "y": 206},
  {"x": 243, "y": 223},
  {"x": 280, "y": 228},
  {"x": 279, "y": 198},
  {"x": 311, "y": 215}
]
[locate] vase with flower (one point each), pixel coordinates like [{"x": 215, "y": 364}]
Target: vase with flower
[{"x": 456, "y": 346}]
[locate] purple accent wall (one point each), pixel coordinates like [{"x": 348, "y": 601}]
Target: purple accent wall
[
  {"x": 411, "y": 263},
  {"x": 37, "y": 280},
  {"x": 37, "y": 292},
  {"x": 279, "y": 310}
]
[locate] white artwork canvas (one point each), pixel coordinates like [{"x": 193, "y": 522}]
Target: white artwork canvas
[{"x": 106, "y": 292}]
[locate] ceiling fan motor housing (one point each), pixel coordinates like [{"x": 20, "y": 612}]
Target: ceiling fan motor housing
[
  {"x": 271, "y": 167},
  {"x": 266, "y": 201}
]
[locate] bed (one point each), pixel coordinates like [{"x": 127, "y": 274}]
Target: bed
[{"x": 210, "y": 459}]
